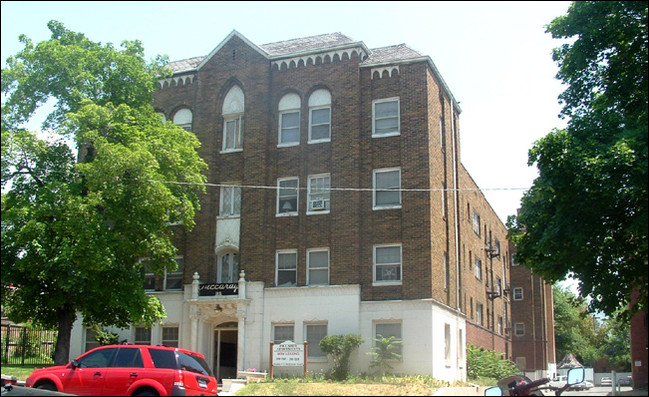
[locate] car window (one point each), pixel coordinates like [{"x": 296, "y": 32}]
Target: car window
[
  {"x": 193, "y": 364},
  {"x": 128, "y": 357},
  {"x": 163, "y": 358},
  {"x": 96, "y": 359}
]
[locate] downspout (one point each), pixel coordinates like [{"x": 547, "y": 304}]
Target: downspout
[{"x": 457, "y": 237}]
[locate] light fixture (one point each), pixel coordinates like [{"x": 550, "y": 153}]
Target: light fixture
[{"x": 218, "y": 308}]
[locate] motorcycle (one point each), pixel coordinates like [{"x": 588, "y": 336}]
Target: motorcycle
[{"x": 521, "y": 385}]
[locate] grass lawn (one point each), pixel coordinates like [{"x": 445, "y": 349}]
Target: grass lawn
[
  {"x": 379, "y": 386},
  {"x": 19, "y": 371}
]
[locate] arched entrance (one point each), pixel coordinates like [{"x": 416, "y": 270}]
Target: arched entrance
[{"x": 225, "y": 351}]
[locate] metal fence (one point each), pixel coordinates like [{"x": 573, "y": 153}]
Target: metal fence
[{"x": 27, "y": 345}]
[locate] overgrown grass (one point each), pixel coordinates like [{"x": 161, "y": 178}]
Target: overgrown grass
[{"x": 353, "y": 386}]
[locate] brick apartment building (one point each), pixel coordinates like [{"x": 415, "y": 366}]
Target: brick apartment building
[
  {"x": 533, "y": 339},
  {"x": 337, "y": 204}
]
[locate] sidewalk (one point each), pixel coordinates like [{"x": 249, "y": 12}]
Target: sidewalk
[{"x": 460, "y": 391}]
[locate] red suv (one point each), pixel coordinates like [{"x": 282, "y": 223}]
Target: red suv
[{"x": 130, "y": 370}]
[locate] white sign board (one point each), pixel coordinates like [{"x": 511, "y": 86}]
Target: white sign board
[{"x": 288, "y": 354}]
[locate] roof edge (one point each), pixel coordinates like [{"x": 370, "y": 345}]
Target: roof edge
[{"x": 228, "y": 37}]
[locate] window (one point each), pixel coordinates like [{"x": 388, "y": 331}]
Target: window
[
  {"x": 460, "y": 345},
  {"x": 97, "y": 359},
  {"x": 500, "y": 325},
  {"x": 385, "y": 114},
  {"x": 499, "y": 286},
  {"x": 513, "y": 260},
  {"x": 443, "y": 198},
  {"x": 387, "y": 330},
  {"x": 441, "y": 132},
  {"x": 319, "y": 192},
  {"x": 91, "y": 339},
  {"x": 170, "y": 336},
  {"x": 283, "y": 333},
  {"x": 314, "y": 334},
  {"x": 149, "y": 276},
  {"x": 227, "y": 268},
  {"x": 289, "y": 120},
  {"x": 447, "y": 342},
  {"x": 174, "y": 279},
  {"x": 286, "y": 275},
  {"x": 387, "y": 264},
  {"x": 183, "y": 118},
  {"x": 320, "y": 116},
  {"x": 318, "y": 266},
  {"x": 128, "y": 357},
  {"x": 387, "y": 188},
  {"x": 232, "y": 134},
  {"x": 521, "y": 363},
  {"x": 142, "y": 336},
  {"x": 478, "y": 313},
  {"x": 230, "y": 201},
  {"x": 519, "y": 329},
  {"x": 518, "y": 294},
  {"x": 447, "y": 270},
  {"x": 287, "y": 195},
  {"x": 476, "y": 223},
  {"x": 233, "y": 107},
  {"x": 477, "y": 269}
]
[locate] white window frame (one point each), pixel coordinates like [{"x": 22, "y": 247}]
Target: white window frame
[
  {"x": 315, "y": 353},
  {"x": 396, "y": 132},
  {"x": 88, "y": 335},
  {"x": 139, "y": 341},
  {"x": 375, "y": 266},
  {"x": 280, "y": 133},
  {"x": 375, "y": 190},
  {"x": 324, "y": 197},
  {"x": 277, "y": 269},
  {"x": 477, "y": 269},
  {"x": 233, "y": 266},
  {"x": 170, "y": 341},
  {"x": 519, "y": 329},
  {"x": 399, "y": 347},
  {"x": 320, "y": 99},
  {"x": 518, "y": 294},
  {"x": 312, "y": 124},
  {"x": 286, "y": 325},
  {"x": 237, "y": 139},
  {"x": 149, "y": 276},
  {"x": 297, "y": 196},
  {"x": 476, "y": 223},
  {"x": 176, "y": 274},
  {"x": 184, "y": 118},
  {"x": 310, "y": 268},
  {"x": 479, "y": 313},
  {"x": 233, "y": 192}
]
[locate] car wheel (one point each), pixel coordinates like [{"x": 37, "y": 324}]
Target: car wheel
[{"x": 47, "y": 386}]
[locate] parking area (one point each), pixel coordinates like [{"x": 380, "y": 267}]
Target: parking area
[{"x": 595, "y": 391}]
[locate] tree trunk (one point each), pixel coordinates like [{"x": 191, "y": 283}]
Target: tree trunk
[{"x": 65, "y": 317}]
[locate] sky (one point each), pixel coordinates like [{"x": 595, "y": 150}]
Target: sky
[{"x": 495, "y": 57}]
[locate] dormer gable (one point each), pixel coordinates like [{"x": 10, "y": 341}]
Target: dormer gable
[{"x": 232, "y": 34}]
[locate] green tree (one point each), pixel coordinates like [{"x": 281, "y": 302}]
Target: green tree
[
  {"x": 340, "y": 348},
  {"x": 577, "y": 331},
  {"x": 383, "y": 352},
  {"x": 586, "y": 213},
  {"x": 616, "y": 347},
  {"x": 74, "y": 232}
]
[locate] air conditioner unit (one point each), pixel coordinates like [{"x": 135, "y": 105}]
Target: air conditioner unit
[{"x": 317, "y": 205}]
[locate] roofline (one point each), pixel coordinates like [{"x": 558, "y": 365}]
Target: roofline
[
  {"x": 319, "y": 50},
  {"x": 232, "y": 34},
  {"x": 430, "y": 62}
]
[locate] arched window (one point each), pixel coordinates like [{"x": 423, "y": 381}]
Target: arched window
[
  {"x": 320, "y": 116},
  {"x": 289, "y": 120},
  {"x": 227, "y": 267},
  {"x": 183, "y": 118},
  {"x": 232, "y": 111}
]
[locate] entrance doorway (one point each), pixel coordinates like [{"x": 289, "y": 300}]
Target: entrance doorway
[{"x": 225, "y": 351}]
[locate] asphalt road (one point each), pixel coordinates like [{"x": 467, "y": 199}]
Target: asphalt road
[{"x": 595, "y": 391}]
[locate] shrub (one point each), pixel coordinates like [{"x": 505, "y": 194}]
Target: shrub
[
  {"x": 340, "y": 347},
  {"x": 482, "y": 363},
  {"x": 383, "y": 352}
]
